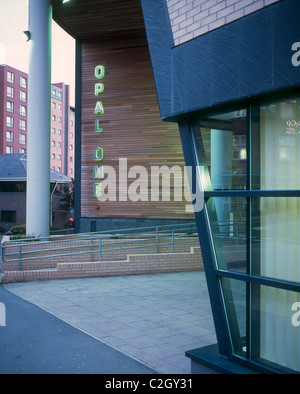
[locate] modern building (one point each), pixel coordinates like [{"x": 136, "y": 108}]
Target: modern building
[
  {"x": 14, "y": 119},
  {"x": 13, "y": 110},
  {"x": 226, "y": 75},
  {"x": 13, "y": 179},
  {"x": 62, "y": 130},
  {"x": 119, "y": 124}
]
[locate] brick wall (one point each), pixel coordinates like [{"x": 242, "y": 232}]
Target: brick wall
[
  {"x": 193, "y": 18},
  {"x": 187, "y": 257},
  {"x": 13, "y": 202},
  {"x": 133, "y": 265},
  {"x": 16, "y": 201}
]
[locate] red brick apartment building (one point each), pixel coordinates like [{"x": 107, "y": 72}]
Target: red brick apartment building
[{"x": 13, "y": 119}]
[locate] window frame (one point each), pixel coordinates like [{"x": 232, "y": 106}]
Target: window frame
[
  {"x": 215, "y": 274},
  {"x": 10, "y": 76},
  {"x": 10, "y": 91},
  {"x": 10, "y": 215}
]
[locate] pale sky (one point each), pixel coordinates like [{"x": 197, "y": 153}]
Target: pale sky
[{"x": 14, "y": 50}]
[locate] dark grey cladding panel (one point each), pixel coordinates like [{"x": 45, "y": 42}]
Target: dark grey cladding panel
[{"x": 247, "y": 58}]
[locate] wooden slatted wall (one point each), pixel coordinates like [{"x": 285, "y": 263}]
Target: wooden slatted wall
[{"x": 132, "y": 127}]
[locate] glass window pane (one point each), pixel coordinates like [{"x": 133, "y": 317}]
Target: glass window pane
[
  {"x": 276, "y": 136},
  {"x": 275, "y": 238},
  {"x": 9, "y": 106},
  {"x": 276, "y": 328},
  {"x": 10, "y": 91},
  {"x": 23, "y": 82},
  {"x": 10, "y": 77},
  {"x": 228, "y": 225},
  {"x": 221, "y": 146},
  {"x": 236, "y": 306},
  {"x": 22, "y": 110},
  {"x": 23, "y": 96}
]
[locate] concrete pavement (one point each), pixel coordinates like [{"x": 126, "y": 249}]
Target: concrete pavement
[
  {"x": 36, "y": 342},
  {"x": 150, "y": 320}
]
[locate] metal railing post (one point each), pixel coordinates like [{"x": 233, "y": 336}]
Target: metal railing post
[
  {"x": 156, "y": 239},
  {"x": 172, "y": 241},
  {"x": 91, "y": 247},
  {"x": 1, "y": 258},
  {"x": 100, "y": 250},
  {"x": 20, "y": 256}
]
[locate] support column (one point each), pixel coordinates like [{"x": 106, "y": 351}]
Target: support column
[
  {"x": 39, "y": 119},
  {"x": 221, "y": 172}
]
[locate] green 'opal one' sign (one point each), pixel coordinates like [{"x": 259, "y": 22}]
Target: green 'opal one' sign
[{"x": 98, "y": 172}]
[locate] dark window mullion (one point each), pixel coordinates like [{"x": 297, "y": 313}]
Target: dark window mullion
[{"x": 260, "y": 280}]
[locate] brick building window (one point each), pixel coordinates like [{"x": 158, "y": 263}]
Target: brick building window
[
  {"x": 23, "y": 110},
  {"x": 10, "y": 77},
  {"x": 23, "y": 96},
  {"x": 9, "y": 136},
  {"x": 9, "y": 150},
  {"x": 10, "y": 107},
  {"x": 22, "y": 139},
  {"x": 9, "y": 216},
  {"x": 22, "y": 124},
  {"x": 9, "y": 121},
  {"x": 10, "y": 92},
  {"x": 23, "y": 82}
]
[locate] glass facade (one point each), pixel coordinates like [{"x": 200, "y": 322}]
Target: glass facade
[
  {"x": 250, "y": 159},
  {"x": 221, "y": 143},
  {"x": 227, "y": 217}
]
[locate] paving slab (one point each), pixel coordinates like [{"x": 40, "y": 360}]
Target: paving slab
[
  {"x": 36, "y": 342},
  {"x": 152, "y": 319}
]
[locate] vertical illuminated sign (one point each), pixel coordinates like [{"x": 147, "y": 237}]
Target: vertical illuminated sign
[{"x": 98, "y": 171}]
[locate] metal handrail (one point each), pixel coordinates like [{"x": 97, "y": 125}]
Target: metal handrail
[
  {"x": 100, "y": 238},
  {"x": 112, "y": 233},
  {"x": 96, "y": 242}
]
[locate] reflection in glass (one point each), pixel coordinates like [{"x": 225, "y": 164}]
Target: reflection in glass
[
  {"x": 255, "y": 235},
  {"x": 228, "y": 226},
  {"x": 279, "y": 129},
  {"x": 236, "y": 306},
  {"x": 276, "y": 255},
  {"x": 275, "y": 331},
  {"x": 275, "y": 238},
  {"x": 221, "y": 146}
]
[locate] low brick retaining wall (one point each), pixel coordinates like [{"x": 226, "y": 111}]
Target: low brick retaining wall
[
  {"x": 133, "y": 265},
  {"x": 84, "y": 245}
]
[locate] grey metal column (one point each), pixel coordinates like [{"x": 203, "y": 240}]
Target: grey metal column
[
  {"x": 39, "y": 112},
  {"x": 221, "y": 173}
]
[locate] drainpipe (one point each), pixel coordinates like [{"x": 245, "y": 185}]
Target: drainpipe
[{"x": 39, "y": 113}]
